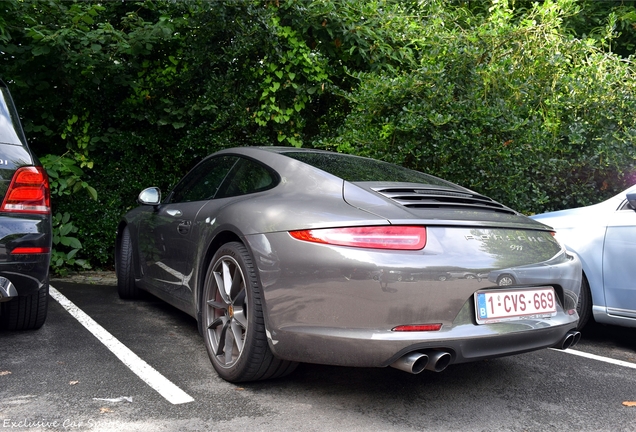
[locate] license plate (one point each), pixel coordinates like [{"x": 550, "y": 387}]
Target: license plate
[{"x": 507, "y": 305}]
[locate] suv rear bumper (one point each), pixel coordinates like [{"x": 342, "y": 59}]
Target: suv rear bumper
[
  {"x": 7, "y": 290},
  {"x": 26, "y": 273}
]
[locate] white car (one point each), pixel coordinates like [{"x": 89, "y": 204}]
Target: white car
[{"x": 604, "y": 237}]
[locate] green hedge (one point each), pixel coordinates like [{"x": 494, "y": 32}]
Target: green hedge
[{"x": 510, "y": 98}]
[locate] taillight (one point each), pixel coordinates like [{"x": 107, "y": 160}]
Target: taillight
[
  {"x": 418, "y": 327},
  {"x": 376, "y": 237},
  {"x": 30, "y": 250},
  {"x": 28, "y": 192}
]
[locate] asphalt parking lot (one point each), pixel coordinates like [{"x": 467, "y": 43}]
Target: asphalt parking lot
[{"x": 103, "y": 364}]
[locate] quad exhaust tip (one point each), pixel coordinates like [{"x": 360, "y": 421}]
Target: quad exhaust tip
[
  {"x": 570, "y": 340},
  {"x": 415, "y": 362},
  {"x": 436, "y": 361}
]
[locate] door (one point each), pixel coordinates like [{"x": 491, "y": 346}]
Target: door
[
  {"x": 168, "y": 236},
  {"x": 619, "y": 263}
]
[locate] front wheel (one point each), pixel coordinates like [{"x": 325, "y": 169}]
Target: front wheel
[{"x": 232, "y": 319}]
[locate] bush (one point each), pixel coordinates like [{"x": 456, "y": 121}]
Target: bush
[
  {"x": 512, "y": 108},
  {"x": 498, "y": 96}
]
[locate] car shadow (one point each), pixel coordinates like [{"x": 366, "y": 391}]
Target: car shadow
[{"x": 618, "y": 340}]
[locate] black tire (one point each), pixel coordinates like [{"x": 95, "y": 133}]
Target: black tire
[
  {"x": 25, "y": 312},
  {"x": 232, "y": 319},
  {"x": 584, "y": 304},
  {"x": 126, "y": 286}
]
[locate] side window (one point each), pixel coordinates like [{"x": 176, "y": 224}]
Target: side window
[
  {"x": 247, "y": 177},
  {"x": 204, "y": 180}
]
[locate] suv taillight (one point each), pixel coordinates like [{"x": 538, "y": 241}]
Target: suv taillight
[{"x": 28, "y": 192}]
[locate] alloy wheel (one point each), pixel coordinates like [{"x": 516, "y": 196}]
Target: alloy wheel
[{"x": 226, "y": 311}]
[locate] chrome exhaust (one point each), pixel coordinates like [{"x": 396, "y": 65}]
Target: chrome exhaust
[
  {"x": 577, "y": 338},
  {"x": 571, "y": 338},
  {"x": 414, "y": 362},
  {"x": 438, "y": 360}
]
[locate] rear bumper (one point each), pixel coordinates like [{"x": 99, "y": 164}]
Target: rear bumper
[
  {"x": 339, "y": 306},
  {"x": 23, "y": 274},
  {"x": 7, "y": 290},
  {"x": 24, "y": 278},
  {"x": 465, "y": 342}
]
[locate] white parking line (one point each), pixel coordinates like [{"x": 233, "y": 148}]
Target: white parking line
[
  {"x": 142, "y": 369},
  {"x": 599, "y": 358}
]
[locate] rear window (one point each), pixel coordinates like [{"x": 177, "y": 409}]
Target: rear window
[
  {"x": 359, "y": 169},
  {"x": 10, "y": 130}
]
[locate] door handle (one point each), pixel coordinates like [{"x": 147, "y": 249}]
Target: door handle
[{"x": 174, "y": 212}]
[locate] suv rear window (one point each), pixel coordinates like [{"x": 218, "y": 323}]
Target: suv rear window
[{"x": 10, "y": 130}]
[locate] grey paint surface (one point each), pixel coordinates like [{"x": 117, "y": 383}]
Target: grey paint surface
[{"x": 338, "y": 305}]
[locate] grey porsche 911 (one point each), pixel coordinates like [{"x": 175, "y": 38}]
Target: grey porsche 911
[{"x": 288, "y": 255}]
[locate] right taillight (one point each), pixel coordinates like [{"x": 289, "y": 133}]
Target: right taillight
[{"x": 28, "y": 192}]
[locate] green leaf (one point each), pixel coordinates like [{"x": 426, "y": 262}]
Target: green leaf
[
  {"x": 72, "y": 242},
  {"x": 92, "y": 192},
  {"x": 64, "y": 230},
  {"x": 40, "y": 50}
]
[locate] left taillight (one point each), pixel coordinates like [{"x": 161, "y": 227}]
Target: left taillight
[
  {"x": 28, "y": 192},
  {"x": 374, "y": 237}
]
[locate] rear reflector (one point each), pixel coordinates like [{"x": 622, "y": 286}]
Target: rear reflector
[
  {"x": 376, "y": 237},
  {"x": 30, "y": 250},
  {"x": 418, "y": 327},
  {"x": 28, "y": 192}
]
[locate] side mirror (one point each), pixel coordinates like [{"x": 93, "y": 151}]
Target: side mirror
[
  {"x": 631, "y": 198},
  {"x": 150, "y": 196}
]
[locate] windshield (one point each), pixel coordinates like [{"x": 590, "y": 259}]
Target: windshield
[{"x": 359, "y": 169}]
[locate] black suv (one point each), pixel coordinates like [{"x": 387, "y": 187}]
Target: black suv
[{"x": 25, "y": 226}]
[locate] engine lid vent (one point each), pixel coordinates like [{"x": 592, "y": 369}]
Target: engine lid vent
[{"x": 422, "y": 198}]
